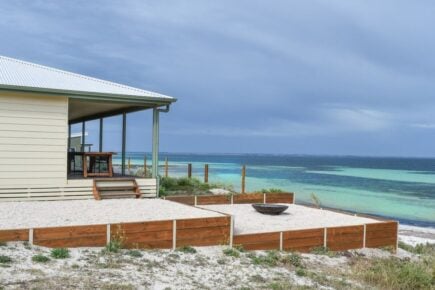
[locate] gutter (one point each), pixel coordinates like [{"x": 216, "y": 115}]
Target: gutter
[
  {"x": 95, "y": 96},
  {"x": 165, "y": 110}
]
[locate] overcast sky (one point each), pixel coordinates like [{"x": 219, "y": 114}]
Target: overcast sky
[{"x": 297, "y": 77}]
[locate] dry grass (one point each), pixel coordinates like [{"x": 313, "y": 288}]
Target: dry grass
[
  {"x": 393, "y": 273},
  {"x": 315, "y": 200}
]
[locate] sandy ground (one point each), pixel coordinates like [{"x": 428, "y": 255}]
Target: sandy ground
[
  {"x": 208, "y": 268},
  {"x": 416, "y": 235},
  {"x": 247, "y": 220},
  {"x": 16, "y": 215},
  {"x": 90, "y": 268}
]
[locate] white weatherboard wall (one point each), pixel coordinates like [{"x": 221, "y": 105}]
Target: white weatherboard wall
[
  {"x": 33, "y": 151},
  {"x": 33, "y": 140}
]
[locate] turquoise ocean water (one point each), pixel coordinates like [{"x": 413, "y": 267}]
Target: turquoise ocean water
[{"x": 400, "y": 188}]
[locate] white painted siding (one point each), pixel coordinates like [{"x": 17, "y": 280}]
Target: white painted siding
[
  {"x": 147, "y": 186},
  {"x": 74, "y": 189},
  {"x": 33, "y": 140}
]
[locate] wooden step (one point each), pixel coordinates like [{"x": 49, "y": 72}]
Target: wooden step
[
  {"x": 114, "y": 183},
  {"x": 118, "y": 194},
  {"x": 116, "y": 188},
  {"x": 126, "y": 192},
  {"x": 110, "y": 188},
  {"x": 115, "y": 179},
  {"x": 129, "y": 196}
]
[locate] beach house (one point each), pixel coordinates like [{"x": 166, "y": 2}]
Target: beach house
[{"x": 40, "y": 159}]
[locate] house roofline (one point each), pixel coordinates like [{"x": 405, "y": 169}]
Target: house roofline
[{"x": 93, "y": 96}]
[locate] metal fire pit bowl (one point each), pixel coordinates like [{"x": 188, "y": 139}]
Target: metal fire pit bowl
[{"x": 268, "y": 208}]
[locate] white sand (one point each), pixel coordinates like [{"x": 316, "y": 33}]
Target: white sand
[
  {"x": 247, "y": 220},
  {"x": 209, "y": 268},
  {"x": 416, "y": 235},
  {"x": 16, "y": 215},
  {"x": 90, "y": 268}
]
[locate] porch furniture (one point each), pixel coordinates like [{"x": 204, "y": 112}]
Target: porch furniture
[
  {"x": 72, "y": 162},
  {"x": 96, "y": 159}
]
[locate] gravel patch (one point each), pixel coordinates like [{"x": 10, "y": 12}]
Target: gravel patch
[
  {"x": 37, "y": 214},
  {"x": 247, "y": 220}
]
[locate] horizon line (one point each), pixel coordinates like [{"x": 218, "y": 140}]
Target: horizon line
[{"x": 290, "y": 154}]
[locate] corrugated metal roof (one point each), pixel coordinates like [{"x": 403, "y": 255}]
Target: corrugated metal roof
[{"x": 27, "y": 75}]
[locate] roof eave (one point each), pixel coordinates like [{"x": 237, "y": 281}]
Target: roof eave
[{"x": 95, "y": 96}]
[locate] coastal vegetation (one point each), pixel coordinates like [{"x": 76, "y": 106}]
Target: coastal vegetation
[
  {"x": 60, "y": 253},
  {"x": 270, "y": 190},
  {"x": 194, "y": 186},
  {"x": 5, "y": 259},
  {"x": 113, "y": 246},
  {"x": 231, "y": 252},
  {"x": 187, "y": 249},
  {"x": 39, "y": 258},
  {"x": 393, "y": 273},
  {"x": 413, "y": 267},
  {"x": 188, "y": 186},
  {"x": 140, "y": 172},
  {"x": 315, "y": 200}
]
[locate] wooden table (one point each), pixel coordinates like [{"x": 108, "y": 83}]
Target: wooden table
[{"x": 92, "y": 158}]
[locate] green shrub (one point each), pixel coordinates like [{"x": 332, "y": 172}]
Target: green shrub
[
  {"x": 60, "y": 253},
  {"x": 3, "y": 244},
  {"x": 168, "y": 183},
  {"x": 162, "y": 191},
  {"x": 271, "y": 258},
  {"x": 221, "y": 261},
  {"x": 301, "y": 272},
  {"x": 420, "y": 249},
  {"x": 231, "y": 252},
  {"x": 187, "y": 249},
  {"x": 140, "y": 172},
  {"x": 113, "y": 246},
  {"x": 257, "y": 279},
  {"x": 27, "y": 245},
  {"x": 293, "y": 259},
  {"x": 186, "y": 185},
  {"x": 5, "y": 259},
  {"x": 315, "y": 200},
  {"x": 271, "y": 190},
  {"x": 40, "y": 258},
  {"x": 286, "y": 285},
  {"x": 425, "y": 249},
  {"x": 184, "y": 181},
  {"x": 134, "y": 253},
  {"x": 323, "y": 251}
]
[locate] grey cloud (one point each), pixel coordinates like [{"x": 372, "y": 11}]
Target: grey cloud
[{"x": 319, "y": 72}]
